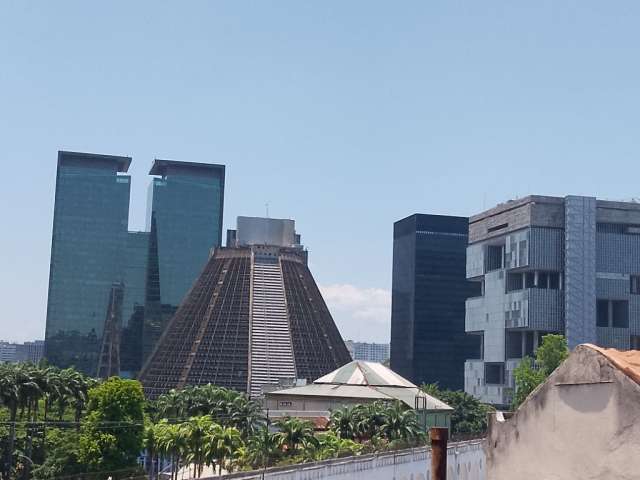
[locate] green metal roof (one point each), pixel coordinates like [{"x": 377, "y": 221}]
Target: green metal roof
[{"x": 366, "y": 381}]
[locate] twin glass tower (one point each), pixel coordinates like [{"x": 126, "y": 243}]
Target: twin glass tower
[{"x": 111, "y": 290}]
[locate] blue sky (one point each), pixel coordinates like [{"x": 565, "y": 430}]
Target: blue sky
[{"x": 345, "y": 116}]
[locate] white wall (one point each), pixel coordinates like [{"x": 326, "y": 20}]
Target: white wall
[
  {"x": 583, "y": 423},
  {"x": 465, "y": 461}
]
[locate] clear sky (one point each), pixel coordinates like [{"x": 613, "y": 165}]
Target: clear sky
[{"x": 345, "y": 116}]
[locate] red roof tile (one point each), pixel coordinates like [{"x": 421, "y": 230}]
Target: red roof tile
[{"x": 627, "y": 361}]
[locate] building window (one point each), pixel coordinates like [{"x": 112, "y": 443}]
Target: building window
[
  {"x": 494, "y": 373},
  {"x": 602, "y": 313},
  {"x": 543, "y": 279},
  {"x": 529, "y": 280},
  {"x": 514, "y": 344},
  {"x": 515, "y": 281},
  {"x": 495, "y": 257},
  {"x": 635, "y": 285},
  {"x": 522, "y": 254},
  {"x": 612, "y": 313},
  {"x": 620, "y": 313}
]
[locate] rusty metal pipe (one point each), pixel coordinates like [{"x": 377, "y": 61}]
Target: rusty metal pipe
[{"x": 439, "y": 438}]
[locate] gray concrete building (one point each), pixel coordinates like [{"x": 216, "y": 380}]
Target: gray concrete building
[{"x": 548, "y": 264}]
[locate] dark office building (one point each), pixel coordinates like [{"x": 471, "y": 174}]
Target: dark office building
[
  {"x": 428, "y": 341},
  {"x": 111, "y": 290},
  {"x": 90, "y": 219}
]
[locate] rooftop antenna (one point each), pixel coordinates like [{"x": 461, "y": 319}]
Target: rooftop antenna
[{"x": 266, "y": 206}]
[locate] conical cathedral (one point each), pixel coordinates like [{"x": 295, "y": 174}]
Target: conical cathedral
[{"x": 253, "y": 319}]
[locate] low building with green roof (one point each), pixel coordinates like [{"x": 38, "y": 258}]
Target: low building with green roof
[{"x": 355, "y": 383}]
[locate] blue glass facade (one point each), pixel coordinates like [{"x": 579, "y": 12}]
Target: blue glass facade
[
  {"x": 428, "y": 341},
  {"x": 91, "y": 215},
  {"x": 135, "y": 274},
  {"x": 184, "y": 217},
  {"x": 92, "y": 250},
  {"x": 186, "y": 204}
]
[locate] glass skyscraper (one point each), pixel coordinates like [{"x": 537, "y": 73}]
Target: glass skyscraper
[
  {"x": 428, "y": 341},
  {"x": 184, "y": 217},
  {"x": 186, "y": 204},
  {"x": 93, "y": 252},
  {"x": 90, "y": 220}
]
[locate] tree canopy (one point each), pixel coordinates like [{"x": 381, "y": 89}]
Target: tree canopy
[
  {"x": 529, "y": 373},
  {"x": 469, "y": 416}
]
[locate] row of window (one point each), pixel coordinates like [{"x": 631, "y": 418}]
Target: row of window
[{"x": 536, "y": 279}]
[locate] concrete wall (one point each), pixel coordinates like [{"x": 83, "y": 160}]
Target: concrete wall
[
  {"x": 265, "y": 231},
  {"x": 465, "y": 461},
  {"x": 583, "y": 423},
  {"x": 514, "y": 215}
]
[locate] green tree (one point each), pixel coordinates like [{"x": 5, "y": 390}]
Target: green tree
[
  {"x": 528, "y": 374},
  {"x": 401, "y": 425},
  {"x": 346, "y": 421},
  {"x": 469, "y": 416},
  {"x": 330, "y": 445},
  {"x": 196, "y": 430},
  {"x": 372, "y": 417},
  {"x": 10, "y": 398},
  {"x": 551, "y": 353},
  {"x": 294, "y": 434},
  {"x": 112, "y": 432},
  {"x": 63, "y": 450},
  {"x": 151, "y": 445},
  {"x": 172, "y": 443},
  {"x": 245, "y": 415},
  {"x": 263, "y": 448},
  {"x": 527, "y": 378},
  {"x": 223, "y": 446}
]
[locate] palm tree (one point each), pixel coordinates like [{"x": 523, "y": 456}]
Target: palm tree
[
  {"x": 245, "y": 415},
  {"x": 263, "y": 448},
  {"x": 346, "y": 421},
  {"x": 171, "y": 404},
  {"x": 294, "y": 433},
  {"x": 330, "y": 445},
  {"x": 172, "y": 442},
  {"x": 401, "y": 424},
  {"x": 36, "y": 386},
  {"x": 372, "y": 417},
  {"x": 9, "y": 397},
  {"x": 64, "y": 394},
  {"x": 196, "y": 430},
  {"x": 223, "y": 445},
  {"x": 75, "y": 392},
  {"x": 150, "y": 443}
]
